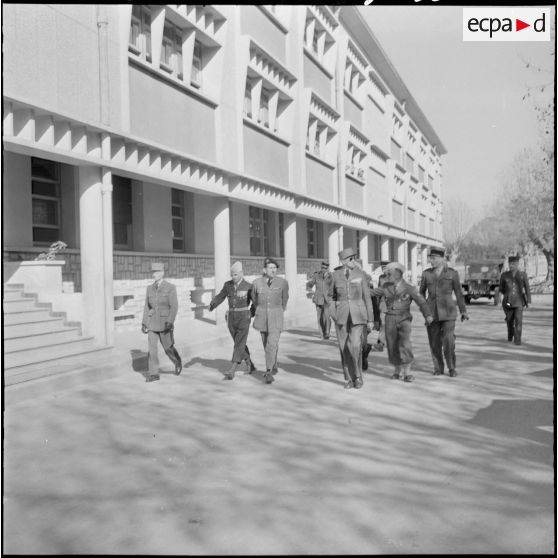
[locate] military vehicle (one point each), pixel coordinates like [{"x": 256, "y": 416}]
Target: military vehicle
[{"x": 482, "y": 280}]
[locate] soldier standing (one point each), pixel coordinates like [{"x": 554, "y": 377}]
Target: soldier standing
[
  {"x": 270, "y": 295},
  {"x": 320, "y": 280},
  {"x": 441, "y": 282},
  {"x": 159, "y": 313},
  {"x": 350, "y": 293},
  {"x": 397, "y": 295},
  {"x": 514, "y": 286},
  {"x": 239, "y": 294}
]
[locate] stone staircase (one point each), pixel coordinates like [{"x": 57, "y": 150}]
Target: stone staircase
[{"x": 39, "y": 342}]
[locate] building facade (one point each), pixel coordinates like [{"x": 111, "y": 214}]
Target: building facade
[{"x": 199, "y": 135}]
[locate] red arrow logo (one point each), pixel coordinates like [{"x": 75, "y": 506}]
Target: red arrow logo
[{"x": 519, "y": 25}]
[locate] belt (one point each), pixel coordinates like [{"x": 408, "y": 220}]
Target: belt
[{"x": 239, "y": 309}]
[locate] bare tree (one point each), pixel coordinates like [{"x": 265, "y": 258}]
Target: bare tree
[{"x": 458, "y": 218}]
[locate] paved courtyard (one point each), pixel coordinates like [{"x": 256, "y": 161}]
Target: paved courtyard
[{"x": 197, "y": 465}]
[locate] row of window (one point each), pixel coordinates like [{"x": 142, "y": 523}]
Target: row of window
[{"x": 46, "y": 200}]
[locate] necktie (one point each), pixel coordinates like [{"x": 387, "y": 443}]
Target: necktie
[
  {"x": 269, "y": 282},
  {"x": 347, "y": 273}
]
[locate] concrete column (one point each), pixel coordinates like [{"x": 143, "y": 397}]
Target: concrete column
[
  {"x": 363, "y": 248},
  {"x": 333, "y": 245},
  {"x": 413, "y": 264},
  {"x": 290, "y": 251},
  {"x": 401, "y": 251},
  {"x": 108, "y": 276},
  {"x": 222, "y": 248},
  {"x": 424, "y": 257},
  {"x": 94, "y": 265},
  {"x": 384, "y": 248}
]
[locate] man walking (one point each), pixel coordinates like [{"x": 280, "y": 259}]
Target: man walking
[
  {"x": 440, "y": 282},
  {"x": 239, "y": 294},
  {"x": 320, "y": 280},
  {"x": 397, "y": 295},
  {"x": 382, "y": 308},
  {"x": 352, "y": 312},
  {"x": 159, "y": 313},
  {"x": 270, "y": 295},
  {"x": 514, "y": 288}
]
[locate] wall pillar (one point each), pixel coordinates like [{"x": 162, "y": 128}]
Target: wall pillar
[
  {"x": 222, "y": 248},
  {"x": 384, "y": 249},
  {"x": 401, "y": 251},
  {"x": 290, "y": 251},
  {"x": 363, "y": 249},
  {"x": 333, "y": 248},
  {"x": 96, "y": 258},
  {"x": 424, "y": 257},
  {"x": 414, "y": 262}
]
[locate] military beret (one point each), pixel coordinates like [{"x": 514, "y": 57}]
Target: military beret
[
  {"x": 236, "y": 267},
  {"x": 325, "y": 264},
  {"x": 268, "y": 261},
  {"x": 346, "y": 253},
  {"x": 437, "y": 252},
  {"x": 513, "y": 259},
  {"x": 157, "y": 266},
  {"x": 395, "y": 265}
]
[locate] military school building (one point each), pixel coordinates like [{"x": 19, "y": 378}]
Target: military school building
[{"x": 197, "y": 135}]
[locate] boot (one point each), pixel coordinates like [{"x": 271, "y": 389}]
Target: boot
[
  {"x": 406, "y": 372},
  {"x": 229, "y": 374}
]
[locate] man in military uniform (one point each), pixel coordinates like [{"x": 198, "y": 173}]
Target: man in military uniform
[
  {"x": 239, "y": 294},
  {"x": 440, "y": 282},
  {"x": 397, "y": 295},
  {"x": 382, "y": 305},
  {"x": 514, "y": 288},
  {"x": 320, "y": 280},
  {"x": 270, "y": 294},
  {"x": 349, "y": 295},
  {"x": 159, "y": 313}
]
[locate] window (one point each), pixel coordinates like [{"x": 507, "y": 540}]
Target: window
[
  {"x": 140, "y": 31},
  {"x": 248, "y": 98},
  {"x": 259, "y": 231},
  {"x": 355, "y": 159},
  {"x": 357, "y": 238},
  {"x": 397, "y": 210},
  {"x": 395, "y": 151},
  {"x": 264, "y": 108},
  {"x": 122, "y": 212},
  {"x": 177, "y": 211},
  {"x": 314, "y": 235},
  {"x": 45, "y": 191},
  {"x": 197, "y": 64},
  {"x": 281, "y": 227},
  {"x": 409, "y": 164},
  {"x": 421, "y": 174},
  {"x": 411, "y": 219},
  {"x": 171, "y": 53}
]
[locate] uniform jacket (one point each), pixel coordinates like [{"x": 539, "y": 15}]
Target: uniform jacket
[
  {"x": 238, "y": 297},
  {"x": 516, "y": 289},
  {"x": 350, "y": 296},
  {"x": 161, "y": 305},
  {"x": 398, "y": 299},
  {"x": 440, "y": 289},
  {"x": 270, "y": 302},
  {"x": 381, "y": 301},
  {"x": 320, "y": 280}
]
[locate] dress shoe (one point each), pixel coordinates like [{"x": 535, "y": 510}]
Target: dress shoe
[
  {"x": 438, "y": 373},
  {"x": 177, "y": 368},
  {"x": 517, "y": 342},
  {"x": 268, "y": 378},
  {"x": 395, "y": 376},
  {"x": 409, "y": 378},
  {"x": 378, "y": 347},
  {"x": 349, "y": 385},
  {"x": 152, "y": 378},
  {"x": 251, "y": 367},
  {"x": 453, "y": 373},
  {"x": 358, "y": 383},
  {"x": 229, "y": 374}
]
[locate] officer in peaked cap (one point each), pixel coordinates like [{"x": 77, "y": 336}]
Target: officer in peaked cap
[
  {"x": 320, "y": 282},
  {"x": 514, "y": 286},
  {"x": 351, "y": 306},
  {"x": 270, "y": 294},
  {"x": 238, "y": 291},
  {"x": 438, "y": 285},
  {"x": 159, "y": 313}
]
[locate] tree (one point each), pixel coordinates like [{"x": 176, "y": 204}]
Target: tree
[{"x": 458, "y": 217}]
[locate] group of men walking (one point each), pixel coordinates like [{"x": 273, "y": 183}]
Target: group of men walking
[{"x": 347, "y": 298}]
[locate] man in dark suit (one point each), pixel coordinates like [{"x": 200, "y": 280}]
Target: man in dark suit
[
  {"x": 514, "y": 288},
  {"x": 441, "y": 282},
  {"x": 239, "y": 294},
  {"x": 320, "y": 280},
  {"x": 270, "y": 295},
  {"x": 159, "y": 313},
  {"x": 351, "y": 308}
]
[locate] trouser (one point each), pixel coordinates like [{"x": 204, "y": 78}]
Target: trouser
[
  {"x": 514, "y": 321},
  {"x": 398, "y": 340},
  {"x": 349, "y": 337},
  {"x": 382, "y": 332},
  {"x": 270, "y": 340},
  {"x": 324, "y": 322},
  {"x": 441, "y": 337},
  {"x": 167, "y": 341},
  {"x": 239, "y": 326}
]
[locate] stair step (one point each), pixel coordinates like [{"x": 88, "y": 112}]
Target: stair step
[
  {"x": 36, "y": 341},
  {"x": 26, "y": 316},
  {"x": 44, "y": 325},
  {"x": 13, "y": 287},
  {"x": 18, "y": 305},
  {"x": 43, "y": 354},
  {"x": 13, "y": 294}
]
